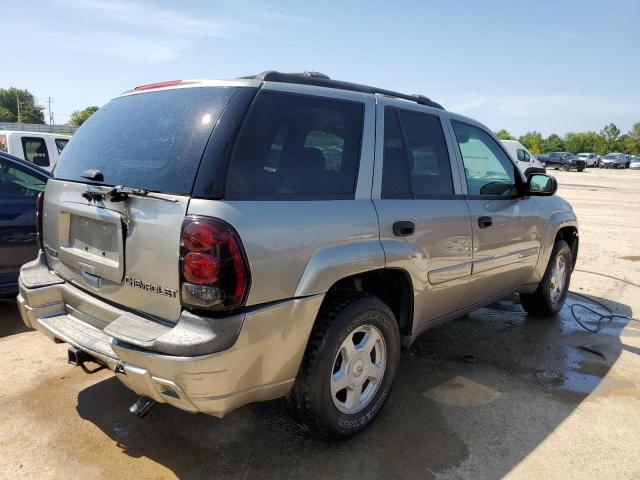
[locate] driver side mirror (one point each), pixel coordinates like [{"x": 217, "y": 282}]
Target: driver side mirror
[{"x": 541, "y": 185}]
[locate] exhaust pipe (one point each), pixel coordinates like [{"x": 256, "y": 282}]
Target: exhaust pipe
[{"x": 142, "y": 406}]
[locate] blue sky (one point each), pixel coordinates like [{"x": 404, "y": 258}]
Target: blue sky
[{"x": 553, "y": 66}]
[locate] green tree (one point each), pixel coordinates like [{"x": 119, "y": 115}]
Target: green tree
[
  {"x": 553, "y": 143},
  {"x": 504, "y": 135},
  {"x": 633, "y": 141},
  {"x": 80, "y": 116},
  {"x": 611, "y": 133},
  {"x": 532, "y": 141},
  {"x": 30, "y": 111},
  {"x": 583, "y": 142},
  {"x": 6, "y": 115}
]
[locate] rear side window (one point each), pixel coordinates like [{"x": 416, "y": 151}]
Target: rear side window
[
  {"x": 15, "y": 182},
  {"x": 416, "y": 161},
  {"x": 297, "y": 146},
  {"x": 61, "y": 143},
  {"x": 152, "y": 140},
  {"x": 35, "y": 151}
]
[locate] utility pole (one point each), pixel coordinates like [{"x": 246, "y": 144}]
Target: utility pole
[
  {"x": 50, "y": 115},
  {"x": 18, "y": 103}
]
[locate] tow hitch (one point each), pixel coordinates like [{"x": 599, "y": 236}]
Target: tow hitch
[{"x": 78, "y": 358}]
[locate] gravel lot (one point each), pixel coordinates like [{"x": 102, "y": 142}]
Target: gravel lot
[{"x": 490, "y": 395}]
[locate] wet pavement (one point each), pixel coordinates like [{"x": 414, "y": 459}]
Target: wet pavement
[{"x": 496, "y": 393}]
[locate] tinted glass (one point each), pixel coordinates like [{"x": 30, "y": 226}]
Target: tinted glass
[
  {"x": 416, "y": 160},
  {"x": 15, "y": 182},
  {"x": 61, "y": 143},
  {"x": 35, "y": 151},
  {"x": 488, "y": 169},
  {"x": 297, "y": 145},
  {"x": 152, "y": 140}
]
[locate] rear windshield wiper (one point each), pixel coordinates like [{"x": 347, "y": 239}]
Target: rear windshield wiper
[{"x": 120, "y": 194}]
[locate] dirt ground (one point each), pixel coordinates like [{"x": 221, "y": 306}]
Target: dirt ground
[{"x": 490, "y": 395}]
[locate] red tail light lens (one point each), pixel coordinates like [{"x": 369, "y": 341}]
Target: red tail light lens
[
  {"x": 199, "y": 236},
  {"x": 215, "y": 273},
  {"x": 199, "y": 268},
  {"x": 39, "y": 207}
]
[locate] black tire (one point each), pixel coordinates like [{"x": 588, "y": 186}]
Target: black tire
[
  {"x": 541, "y": 303},
  {"x": 310, "y": 400},
  {"x": 580, "y": 169}
]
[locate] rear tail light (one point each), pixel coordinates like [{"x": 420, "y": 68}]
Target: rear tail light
[
  {"x": 39, "y": 207},
  {"x": 213, "y": 265}
]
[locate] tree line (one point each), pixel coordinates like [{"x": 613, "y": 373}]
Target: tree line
[
  {"x": 17, "y": 105},
  {"x": 609, "y": 139}
]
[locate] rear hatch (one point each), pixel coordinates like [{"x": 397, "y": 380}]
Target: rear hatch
[{"x": 123, "y": 244}]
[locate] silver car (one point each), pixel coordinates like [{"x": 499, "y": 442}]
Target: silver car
[{"x": 216, "y": 243}]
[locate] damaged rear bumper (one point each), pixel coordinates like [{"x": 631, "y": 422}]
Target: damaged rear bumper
[{"x": 199, "y": 364}]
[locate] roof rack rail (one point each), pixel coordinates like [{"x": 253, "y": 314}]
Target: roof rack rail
[{"x": 321, "y": 80}]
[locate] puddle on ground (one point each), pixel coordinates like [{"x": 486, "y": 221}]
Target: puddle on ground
[{"x": 462, "y": 392}]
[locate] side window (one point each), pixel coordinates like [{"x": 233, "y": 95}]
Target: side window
[
  {"x": 416, "y": 161},
  {"x": 61, "y": 143},
  {"x": 16, "y": 182},
  {"x": 297, "y": 146},
  {"x": 488, "y": 169},
  {"x": 35, "y": 151}
]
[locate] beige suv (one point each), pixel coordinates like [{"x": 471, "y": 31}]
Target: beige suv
[{"x": 216, "y": 243}]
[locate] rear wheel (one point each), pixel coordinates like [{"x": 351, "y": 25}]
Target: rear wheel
[
  {"x": 551, "y": 294},
  {"x": 348, "y": 369}
]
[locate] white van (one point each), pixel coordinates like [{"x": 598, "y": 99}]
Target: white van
[
  {"x": 527, "y": 163},
  {"x": 42, "y": 149}
]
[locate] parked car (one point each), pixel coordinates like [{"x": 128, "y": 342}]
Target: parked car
[
  {"x": 41, "y": 149},
  {"x": 526, "y": 162},
  {"x": 614, "y": 160},
  {"x": 20, "y": 183},
  {"x": 635, "y": 163},
  {"x": 562, "y": 160},
  {"x": 590, "y": 159},
  {"x": 294, "y": 233}
]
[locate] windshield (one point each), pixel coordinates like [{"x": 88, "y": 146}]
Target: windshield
[
  {"x": 610, "y": 157},
  {"x": 153, "y": 140}
]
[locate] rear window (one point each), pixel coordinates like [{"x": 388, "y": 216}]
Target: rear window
[
  {"x": 153, "y": 140},
  {"x": 297, "y": 146}
]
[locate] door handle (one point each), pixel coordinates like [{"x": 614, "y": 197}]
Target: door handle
[
  {"x": 485, "y": 222},
  {"x": 403, "y": 228}
]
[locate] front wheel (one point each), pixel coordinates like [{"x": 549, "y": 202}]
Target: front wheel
[
  {"x": 551, "y": 294},
  {"x": 348, "y": 369}
]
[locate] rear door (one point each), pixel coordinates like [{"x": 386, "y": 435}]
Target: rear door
[
  {"x": 126, "y": 249},
  {"x": 424, "y": 220},
  {"x": 506, "y": 230}
]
